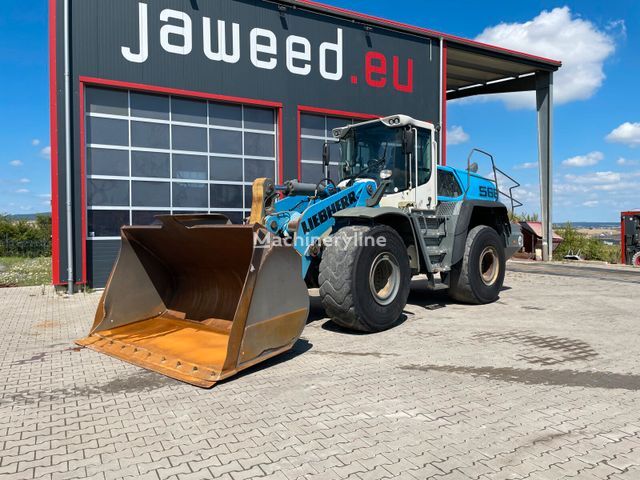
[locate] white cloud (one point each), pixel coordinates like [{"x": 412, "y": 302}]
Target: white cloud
[
  {"x": 46, "y": 152},
  {"x": 619, "y": 187},
  {"x": 617, "y": 26},
  {"x": 456, "y": 135},
  {"x": 16, "y": 163},
  {"x": 628, "y": 134},
  {"x": 22, "y": 190},
  {"x": 615, "y": 183},
  {"x": 526, "y": 194},
  {"x": 587, "y": 160},
  {"x": 625, "y": 161},
  {"x": 526, "y": 166},
  {"x": 605, "y": 192},
  {"x": 595, "y": 178},
  {"x": 24, "y": 180},
  {"x": 45, "y": 195},
  {"x": 560, "y": 35},
  {"x": 35, "y": 142}
]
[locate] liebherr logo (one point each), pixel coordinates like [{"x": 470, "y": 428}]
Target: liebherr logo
[
  {"x": 324, "y": 215},
  {"x": 300, "y": 57}
]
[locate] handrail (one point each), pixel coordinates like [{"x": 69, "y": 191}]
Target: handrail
[
  {"x": 515, "y": 203},
  {"x": 493, "y": 165}
]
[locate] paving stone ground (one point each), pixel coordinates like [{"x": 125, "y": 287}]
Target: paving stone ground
[{"x": 543, "y": 384}]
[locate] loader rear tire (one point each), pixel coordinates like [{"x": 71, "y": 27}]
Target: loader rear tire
[
  {"x": 479, "y": 276},
  {"x": 635, "y": 260},
  {"x": 364, "y": 285}
]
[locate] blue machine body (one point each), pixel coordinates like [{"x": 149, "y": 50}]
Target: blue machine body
[
  {"x": 307, "y": 220},
  {"x": 475, "y": 186}
]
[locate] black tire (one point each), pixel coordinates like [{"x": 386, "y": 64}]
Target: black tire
[
  {"x": 346, "y": 276},
  {"x": 466, "y": 281}
]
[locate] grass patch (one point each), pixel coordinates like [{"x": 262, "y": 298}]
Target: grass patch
[{"x": 24, "y": 272}]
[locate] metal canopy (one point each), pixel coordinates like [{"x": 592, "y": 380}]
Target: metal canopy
[
  {"x": 476, "y": 71},
  {"x": 473, "y": 68},
  {"x": 497, "y": 61}
]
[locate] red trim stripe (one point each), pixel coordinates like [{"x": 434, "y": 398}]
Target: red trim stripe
[
  {"x": 92, "y": 81},
  {"x": 53, "y": 110},
  {"x": 177, "y": 91},
  {"x": 280, "y": 113},
  {"x": 324, "y": 111},
  {"x": 83, "y": 184},
  {"x": 336, "y": 113},
  {"x": 299, "y": 141}
]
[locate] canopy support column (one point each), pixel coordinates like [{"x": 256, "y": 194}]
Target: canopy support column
[{"x": 544, "y": 105}]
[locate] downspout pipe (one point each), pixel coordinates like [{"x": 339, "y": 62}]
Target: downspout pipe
[{"x": 67, "y": 150}]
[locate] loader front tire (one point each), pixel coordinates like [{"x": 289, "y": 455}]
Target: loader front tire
[
  {"x": 365, "y": 278},
  {"x": 478, "y": 277}
]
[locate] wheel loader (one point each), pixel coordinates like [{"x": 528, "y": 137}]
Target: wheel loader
[{"x": 199, "y": 299}]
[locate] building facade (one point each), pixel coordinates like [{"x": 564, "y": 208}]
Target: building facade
[{"x": 176, "y": 106}]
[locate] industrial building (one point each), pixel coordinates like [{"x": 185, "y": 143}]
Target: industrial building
[{"x": 178, "y": 105}]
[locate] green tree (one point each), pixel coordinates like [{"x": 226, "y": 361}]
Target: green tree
[
  {"x": 24, "y": 238},
  {"x": 43, "y": 223},
  {"x": 589, "y": 248},
  {"x": 523, "y": 217}
]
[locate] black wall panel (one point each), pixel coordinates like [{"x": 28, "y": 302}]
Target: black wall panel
[{"x": 100, "y": 30}]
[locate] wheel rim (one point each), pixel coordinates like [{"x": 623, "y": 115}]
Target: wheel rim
[
  {"x": 489, "y": 266},
  {"x": 384, "y": 278},
  {"x": 636, "y": 260}
]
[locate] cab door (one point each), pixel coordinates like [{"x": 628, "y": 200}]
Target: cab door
[
  {"x": 420, "y": 181},
  {"x": 425, "y": 168}
]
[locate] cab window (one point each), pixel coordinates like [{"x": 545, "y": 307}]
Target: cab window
[
  {"x": 423, "y": 152},
  {"x": 448, "y": 186}
]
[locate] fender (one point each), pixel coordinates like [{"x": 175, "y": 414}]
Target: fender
[
  {"x": 392, "y": 217},
  {"x": 496, "y": 215}
]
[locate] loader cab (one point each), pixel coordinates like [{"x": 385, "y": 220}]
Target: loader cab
[{"x": 398, "y": 149}]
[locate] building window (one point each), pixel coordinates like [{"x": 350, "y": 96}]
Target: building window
[
  {"x": 315, "y": 130},
  {"x": 151, "y": 154}
]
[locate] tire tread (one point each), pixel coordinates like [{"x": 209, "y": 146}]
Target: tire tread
[
  {"x": 336, "y": 275},
  {"x": 460, "y": 288}
]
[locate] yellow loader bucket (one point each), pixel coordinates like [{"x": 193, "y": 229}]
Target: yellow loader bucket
[{"x": 198, "y": 299}]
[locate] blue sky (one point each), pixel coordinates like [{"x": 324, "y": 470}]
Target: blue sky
[{"x": 597, "y": 114}]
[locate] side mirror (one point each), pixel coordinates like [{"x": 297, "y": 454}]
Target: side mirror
[
  {"x": 409, "y": 141},
  {"x": 326, "y": 155}
]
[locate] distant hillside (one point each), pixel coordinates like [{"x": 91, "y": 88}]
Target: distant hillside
[
  {"x": 589, "y": 225},
  {"x": 27, "y": 216}
]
